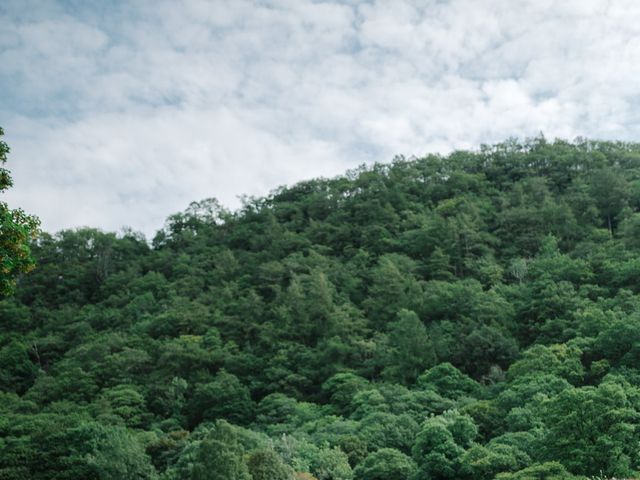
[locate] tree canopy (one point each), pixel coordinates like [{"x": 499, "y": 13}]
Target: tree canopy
[{"x": 470, "y": 316}]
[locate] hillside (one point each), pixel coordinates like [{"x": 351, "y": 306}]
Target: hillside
[{"x": 473, "y": 316}]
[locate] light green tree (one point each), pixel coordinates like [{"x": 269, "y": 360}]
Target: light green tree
[
  {"x": 119, "y": 455},
  {"x": 17, "y": 229}
]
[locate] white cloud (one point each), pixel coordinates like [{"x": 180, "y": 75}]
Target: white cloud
[{"x": 123, "y": 113}]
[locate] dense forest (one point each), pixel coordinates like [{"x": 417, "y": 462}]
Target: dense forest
[{"x": 470, "y": 317}]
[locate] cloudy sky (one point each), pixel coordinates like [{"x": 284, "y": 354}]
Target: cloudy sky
[{"x": 122, "y": 112}]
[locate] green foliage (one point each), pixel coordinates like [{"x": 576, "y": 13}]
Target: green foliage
[
  {"x": 342, "y": 387},
  {"x": 118, "y": 455},
  {"x": 17, "y": 229},
  {"x": 267, "y": 465},
  {"x": 224, "y": 397},
  {"x": 331, "y": 464},
  {"x": 386, "y": 464},
  {"x": 594, "y": 429},
  {"x": 473, "y": 316},
  {"x": 561, "y": 360},
  {"x": 217, "y": 456},
  {"x": 410, "y": 349},
  {"x": 448, "y": 381},
  {"x": 441, "y": 445},
  {"x": 381, "y": 429},
  {"x": 544, "y": 471},
  {"x": 17, "y": 371},
  {"x": 484, "y": 463},
  {"x": 126, "y": 402}
]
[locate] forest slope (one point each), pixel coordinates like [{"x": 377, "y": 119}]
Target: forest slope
[{"x": 473, "y": 316}]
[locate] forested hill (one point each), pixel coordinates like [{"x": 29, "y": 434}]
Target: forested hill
[{"x": 467, "y": 317}]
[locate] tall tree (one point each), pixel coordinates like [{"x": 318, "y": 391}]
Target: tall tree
[{"x": 16, "y": 230}]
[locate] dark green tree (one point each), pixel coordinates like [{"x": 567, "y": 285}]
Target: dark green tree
[
  {"x": 386, "y": 464},
  {"x": 594, "y": 430},
  {"x": 224, "y": 397},
  {"x": 217, "y": 456},
  {"x": 267, "y": 465}
]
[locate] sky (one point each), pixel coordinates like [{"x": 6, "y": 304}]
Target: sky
[{"x": 120, "y": 113}]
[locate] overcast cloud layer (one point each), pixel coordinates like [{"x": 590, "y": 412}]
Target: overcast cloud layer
[{"x": 121, "y": 113}]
